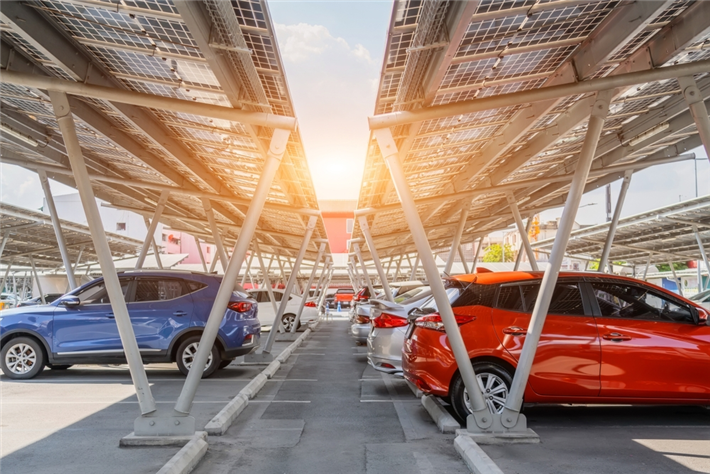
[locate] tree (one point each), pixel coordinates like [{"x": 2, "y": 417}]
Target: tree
[
  {"x": 495, "y": 253},
  {"x": 664, "y": 267}
]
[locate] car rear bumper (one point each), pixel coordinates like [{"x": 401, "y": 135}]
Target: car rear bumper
[
  {"x": 360, "y": 332},
  {"x": 244, "y": 350},
  {"x": 384, "y": 349}
]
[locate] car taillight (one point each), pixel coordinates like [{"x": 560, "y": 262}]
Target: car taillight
[
  {"x": 310, "y": 304},
  {"x": 386, "y": 320},
  {"x": 240, "y": 307},
  {"x": 363, "y": 319},
  {"x": 433, "y": 321}
]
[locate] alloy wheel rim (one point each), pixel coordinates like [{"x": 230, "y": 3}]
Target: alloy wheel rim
[
  {"x": 21, "y": 358},
  {"x": 495, "y": 392},
  {"x": 188, "y": 356},
  {"x": 288, "y": 322}
]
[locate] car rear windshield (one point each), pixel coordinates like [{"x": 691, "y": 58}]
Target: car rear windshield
[{"x": 465, "y": 294}]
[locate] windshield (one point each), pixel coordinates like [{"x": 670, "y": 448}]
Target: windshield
[
  {"x": 701, "y": 297},
  {"x": 410, "y": 294}
]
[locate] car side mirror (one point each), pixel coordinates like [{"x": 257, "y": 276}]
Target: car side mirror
[
  {"x": 703, "y": 319},
  {"x": 70, "y": 301}
]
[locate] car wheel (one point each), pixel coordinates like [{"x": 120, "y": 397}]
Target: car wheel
[
  {"x": 225, "y": 363},
  {"x": 186, "y": 354},
  {"x": 22, "y": 358},
  {"x": 288, "y": 321},
  {"x": 493, "y": 380},
  {"x": 58, "y": 367}
]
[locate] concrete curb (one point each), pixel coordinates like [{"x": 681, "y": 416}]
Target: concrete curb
[
  {"x": 417, "y": 393},
  {"x": 223, "y": 420},
  {"x": 271, "y": 369},
  {"x": 475, "y": 458},
  {"x": 442, "y": 418},
  {"x": 253, "y": 387},
  {"x": 187, "y": 458}
]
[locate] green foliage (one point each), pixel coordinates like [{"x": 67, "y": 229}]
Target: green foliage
[
  {"x": 664, "y": 267},
  {"x": 495, "y": 253},
  {"x": 593, "y": 265}
]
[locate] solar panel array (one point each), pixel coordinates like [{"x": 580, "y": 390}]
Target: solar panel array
[
  {"x": 498, "y": 47},
  {"x": 146, "y": 46}
]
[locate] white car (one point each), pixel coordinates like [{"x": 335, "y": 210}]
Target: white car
[
  {"x": 267, "y": 314},
  {"x": 703, "y": 299}
]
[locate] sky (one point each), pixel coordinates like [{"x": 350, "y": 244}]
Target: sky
[{"x": 332, "y": 52}]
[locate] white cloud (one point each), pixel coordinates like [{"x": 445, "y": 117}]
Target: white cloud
[{"x": 302, "y": 41}]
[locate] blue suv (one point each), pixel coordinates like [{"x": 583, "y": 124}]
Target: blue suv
[{"x": 168, "y": 310}]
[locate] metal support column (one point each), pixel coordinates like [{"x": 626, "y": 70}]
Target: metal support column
[
  {"x": 389, "y": 267},
  {"x": 64, "y": 118},
  {"x": 478, "y": 252},
  {"x": 375, "y": 258},
  {"x": 519, "y": 257},
  {"x": 202, "y": 255},
  {"x": 703, "y": 253},
  {"x": 4, "y": 278},
  {"x": 521, "y": 230},
  {"x": 156, "y": 250},
  {"x": 61, "y": 242},
  {"x": 462, "y": 256},
  {"x": 456, "y": 242},
  {"x": 511, "y": 413},
  {"x": 39, "y": 284},
  {"x": 322, "y": 276},
  {"x": 277, "y": 148},
  {"x": 368, "y": 282},
  {"x": 162, "y": 201},
  {"x": 221, "y": 253},
  {"x": 645, "y": 270},
  {"x": 695, "y": 101},
  {"x": 399, "y": 266},
  {"x": 353, "y": 265},
  {"x": 679, "y": 283},
  {"x": 289, "y": 284},
  {"x": 267, "y": 280},
  {"x": 604, "y": 259},
  {"x": 481, "y": 416},
  {"x": 321, "y": 249},
  {"x": 3, "y": 243},
  {"x": 247, "y": 269},
  {"x": 414, "y": 268},
  {"x": 78, "y": 259}
]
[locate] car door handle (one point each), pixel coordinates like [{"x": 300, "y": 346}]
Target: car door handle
[
  {"x": 179, "y": 313},
  {"x": 110, "y": 315},
  {"x": 515, "y": 331},
  {"x": 616, "y": 337}
]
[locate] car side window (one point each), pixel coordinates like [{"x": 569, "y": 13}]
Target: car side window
[
  {"x": 158, "y": 289},
  {"x": 97, "y": 294},
  {"x": 618, "y": 300},
  {"x": 509, "y": 298}
]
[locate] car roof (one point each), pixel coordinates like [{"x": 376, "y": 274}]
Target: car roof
[{"x": 492, "y": 278}]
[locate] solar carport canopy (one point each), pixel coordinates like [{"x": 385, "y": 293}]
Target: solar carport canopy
[
  {"x": 667, "y": 234},
  {"x": 466, "y": 146},
  {"x": 31, "y": 234},
  {"x": 213, "y": 90}
]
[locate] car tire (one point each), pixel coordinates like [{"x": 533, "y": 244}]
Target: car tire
[
  {"x": 493, "y": 379},
  {"x": 187, "y": 350},
  {"x": 225, "y": 363},
  {"x": 288, "y": 320},
  {"x": 22, "y": 358},
  {"x": 58, "y": 367}
]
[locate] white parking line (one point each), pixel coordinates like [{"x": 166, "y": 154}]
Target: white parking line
[{"x": 279, "y": 401}]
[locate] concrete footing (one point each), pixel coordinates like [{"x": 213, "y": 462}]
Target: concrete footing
[
  {"x": 218, "y": 425},
  {"x": 475, "y": 458},
  {"x": 131, "y": 440},
  {"x": 517, "y": 437},
  {"x": 443, "y": 419},
  {"x": 289, "y": 336},
  {"x": 187, "y": 458},
  {"x": 258, "y": 357}
]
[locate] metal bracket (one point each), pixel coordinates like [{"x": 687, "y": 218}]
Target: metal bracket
[
  {"x": 497, "y": 423},
  {"x": 480, "y": 421},
  {"x": 153, "y": 425}
]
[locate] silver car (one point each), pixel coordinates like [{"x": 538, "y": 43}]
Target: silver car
[
  {"x": 360, "y": 315},
  {"x": 389, "y": 325}
]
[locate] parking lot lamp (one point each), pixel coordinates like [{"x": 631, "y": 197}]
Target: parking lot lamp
[{"x": 511, "y": 417}]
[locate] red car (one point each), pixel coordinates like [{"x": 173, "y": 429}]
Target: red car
[{"x": 606, "y": 339}]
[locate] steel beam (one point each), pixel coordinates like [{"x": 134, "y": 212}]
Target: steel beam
[
  {"x": 519, "y": 257},
  {"x": 475, "y": 256},
  {"x": 267, "y": 280},
  {"x": 481, "y": 416},
  {"x": 456, "y": 243},
  {"x": 306, "y": 293},
  {"x": 64, "y": 118},
  {"x": 414, "y": 268},
  {"x": 152, "y": 228},
  {"x": 61, "y": 242},
  {"x": 200, "y": 253},
  {"x": 521, "y": 230},
  {"x": 289, "y": 285},
  {"x": 511, "y": 413},
  {"x": 703, "y": 253},
  {"x": 39, "y": 283},
  {"x": 698, "y": 110},
  {"x": 678, "y": 282},
  {"x": 154, "y": 244},
  {"x": 614, "y": 222},
  {"x": 365, "y": 228},
  {"x": 221, "y": 253},
  {"x": 277, "y": 149},
  {"x": 365, "y": 273},
  {"x": 463, "y": 260}
]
